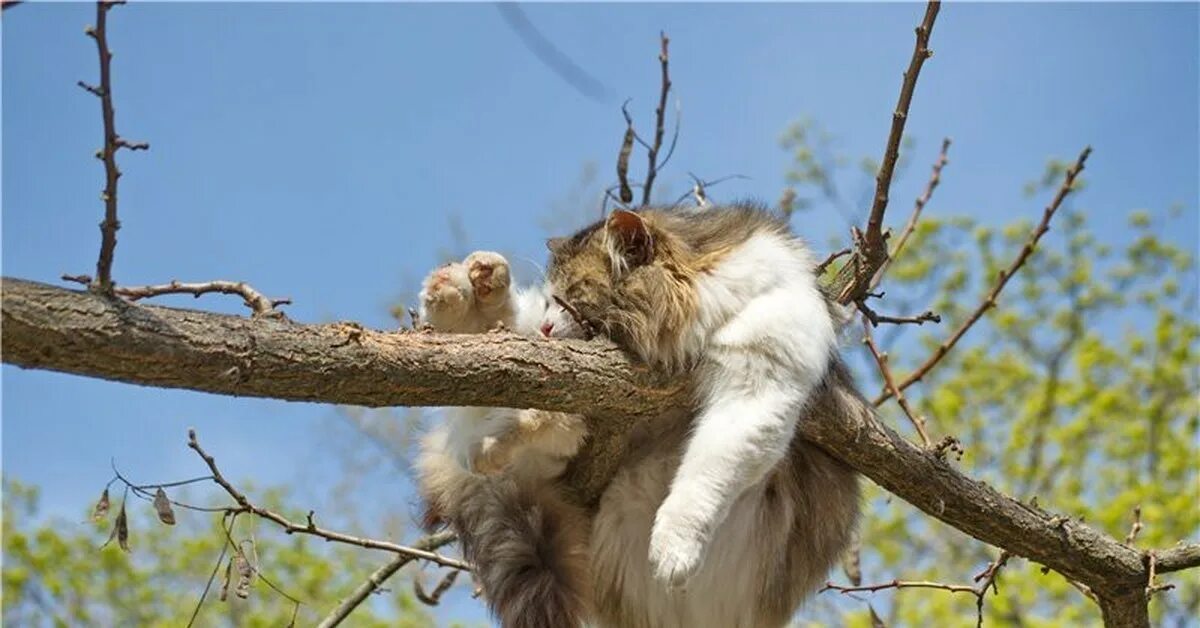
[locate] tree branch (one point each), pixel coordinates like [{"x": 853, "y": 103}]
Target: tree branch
[
  {"x": 108, "y": 154},
  {"x": 854, "y": 279},
  {"x": 989, "y": 301},
  {"x": 77, "y": 332},
  {"x": 378, "y": 577},
  {"x": 660, "y": 114},
  {"x": 258, "y": 303},
  {"x": 935, "y": 178}
]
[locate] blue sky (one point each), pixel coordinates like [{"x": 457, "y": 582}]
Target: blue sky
[{"x": 319, "y": 151}]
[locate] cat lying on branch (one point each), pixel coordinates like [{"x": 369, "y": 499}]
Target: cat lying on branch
[{"x": 719, "y": 515}]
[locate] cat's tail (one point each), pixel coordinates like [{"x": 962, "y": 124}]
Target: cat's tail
[{"x": 530, "y": 552}]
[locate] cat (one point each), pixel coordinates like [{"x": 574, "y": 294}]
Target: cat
[{"x": 719, "y": 515}]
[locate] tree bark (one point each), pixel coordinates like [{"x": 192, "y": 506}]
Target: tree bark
[
  {"x": 46, "y": 327},
  {"x": 1126, "y": 610}
]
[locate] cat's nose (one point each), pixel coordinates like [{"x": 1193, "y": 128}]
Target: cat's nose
[{"x": 547, "y": 328}]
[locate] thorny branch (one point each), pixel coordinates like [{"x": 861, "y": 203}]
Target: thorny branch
[
  {"x": 989, "y": 301},
  {"x": 112, "y": 142},
  {"x": 260, "y": 304}
]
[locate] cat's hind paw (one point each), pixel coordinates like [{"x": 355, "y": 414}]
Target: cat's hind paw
[
  {"x": 489, "y": 276},
  {"x": 446, "y": 297},
  {"x": 471, "y": 296}
]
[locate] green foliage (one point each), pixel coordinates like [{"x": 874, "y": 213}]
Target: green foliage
[
  {"x": 55, "y": 573},
  {"x": 1079, "y": 389}
]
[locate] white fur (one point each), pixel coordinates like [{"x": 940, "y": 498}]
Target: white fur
[
  {"x": 449, "y": 303},
  {"x": 675, "y": 532},
  {"x": 767, "y": 340}
]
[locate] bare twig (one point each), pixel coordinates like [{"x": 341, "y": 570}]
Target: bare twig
[
  {"x": 1136, "y": 528},
  {"x": 589, "y": 330},
  {"x": 260, "y": 304},
  {"x": 1001, "y": 280},
  {"x": 255, "y": 300},
  {"x": 882, "y": 361},
  {"x": 378, "y": 577},
  {"x": 211, "y": 577},
  {"x": 432, "y": 599},
  {"x": 310, "y": 527},
  {"x": 855, "y": 277},
  {"x": 883, "y": 180},
  {"x": 935, "y": 178},
  {"x": 703, "y": 186},
  {"x": 112, "y": 142},
  {"x": 876, "y": 318},
  {"x": 659, "y": 115},
  {"x": 899, "y": 584},
  {"x": 1152, "y": 586},
  {"x": 674, "y": 137},
  {"x": 987, "y": 579},
  {"x": 623, "y": 158},
  {"x": 820, "y": 269}
]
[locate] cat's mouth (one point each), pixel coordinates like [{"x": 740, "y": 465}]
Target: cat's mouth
[{"x": 589, "y": 330}]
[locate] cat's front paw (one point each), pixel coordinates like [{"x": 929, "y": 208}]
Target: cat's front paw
[{"x": 676, "y": 551}]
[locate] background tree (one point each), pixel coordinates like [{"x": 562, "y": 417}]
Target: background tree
[{"x": 1028, "y": 354}]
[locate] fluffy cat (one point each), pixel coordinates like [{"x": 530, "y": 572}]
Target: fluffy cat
[{"x": 719, "y": 515}]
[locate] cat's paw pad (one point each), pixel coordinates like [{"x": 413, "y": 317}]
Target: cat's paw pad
[
  {"x": 489, "y": 276},
  {"x": 446, "y": 296},
  {"x": 675, "y": 554}
]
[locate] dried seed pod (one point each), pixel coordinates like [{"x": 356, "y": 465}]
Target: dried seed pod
[
  {"x": 162, "y": 506},
  {"x": 122, "y": 529},
  {"x": 101, "y": 509},
  {"x": 245, "y": 576}
]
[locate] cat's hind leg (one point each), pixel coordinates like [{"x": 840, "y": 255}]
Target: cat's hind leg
[{"x": 471, "y": 296}]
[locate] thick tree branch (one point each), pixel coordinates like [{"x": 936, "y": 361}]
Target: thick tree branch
[{"x": 78, "y": 332}]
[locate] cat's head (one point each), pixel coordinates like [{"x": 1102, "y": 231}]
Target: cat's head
[{"x": 627, "y": 277}]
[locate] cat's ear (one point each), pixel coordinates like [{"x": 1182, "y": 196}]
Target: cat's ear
[
  {"x": 555, "y": 245},
  {"x": 630, "y": 237}
]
